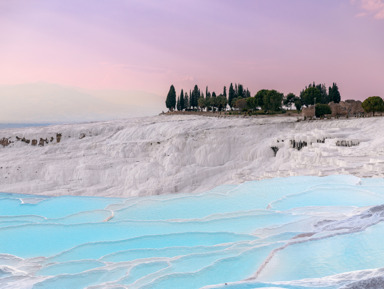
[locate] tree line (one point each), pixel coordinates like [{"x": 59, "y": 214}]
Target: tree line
[{"x": 239, "y": 97}]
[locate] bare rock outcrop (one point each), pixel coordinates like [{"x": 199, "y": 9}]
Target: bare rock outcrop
[
  {"x": 4, "y": 142},
  {"x": 58, "y": 137},
  {"x": 308, "y": 112},
  {"x": 348, "y": 108}
]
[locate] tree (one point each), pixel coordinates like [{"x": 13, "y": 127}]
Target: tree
[
  {"x": 251, "y": 103},
  {"x": 202, "y": 102},
  {"x": 260, "y": 97},
  {"x": 178, "y": 104},
  {"x": 289, "y": 99},
  {"x": 373, "y": 104},
  {"x": 314, "y": 93},
  {"x": 247, "y": 93},
  {"x": 310, "y": 96},
  {"x": 240, "y": 103},
  {"x": 272, "y": 100},
  {"x": 322, "y": 109},
  {"x": 324, "y": 98},
  {"x": 298, "y": 103},
  {"x": 220, "y": 102},
  {"x": 190, "y": 100},
  {"x": 213, "y": 100},
  {"x": 170, "y": 102},
  {"x": 207, "y": 93},
  {"x": 225, "y": 92},
  {"x": 240, "y": 91},
  {"x": 334, "y": 94},
  {"x": 182, "y": 101},
  {"x": 195, "y": 96},
  {"x": 186, "y": 101},
  {"x": 231, "y": 95}
]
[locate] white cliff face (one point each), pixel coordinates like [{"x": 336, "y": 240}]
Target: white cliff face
[{"x": 184, "y": 154}]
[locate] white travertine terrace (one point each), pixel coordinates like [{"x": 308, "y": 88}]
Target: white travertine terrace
[{"x": 184, "y": 154}]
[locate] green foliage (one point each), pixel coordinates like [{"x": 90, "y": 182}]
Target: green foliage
[
  {"x": 170, "y": 102},
  {"x": 260, "y": 97},
  {"x": 190, "y": 100},
  {"x": 289, "y": 99},
  {"x": 247, "y": 93},
  {"x": 178, "y": 106},
  {"x": 202, "y": 102},
  {"x": 324, "y": 98},
  {"x": 322, "y": 109},
  {"x": 269, "y": 100},
  {"x": 182, "y": 101},
  {"x": 240, "y": 103},
  {"x": 334, "y": 94},
  {"x": 186, "y": 101},
  {"x": 194, "y": 97},
  {"x": 207, "y": 93},
  {"x": 231, "y": 95},
  {"x": 221, "y": 102},
  {"x": 373, "y": 104},
  {"x": 314, "y": 93},
  {"x": 298, "y": 104},
  {"x": 214, "y": 102},
  {"x": 310, "y": 96},
  {"x": 272, "y": 100},
  {"x": 240, "y": 91},
  {"x": 251, "y": 103},
  {"x": 237, "y": 92}
]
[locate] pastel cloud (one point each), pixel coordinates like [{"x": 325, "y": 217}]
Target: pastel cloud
[{"x": 371, "y": 7}]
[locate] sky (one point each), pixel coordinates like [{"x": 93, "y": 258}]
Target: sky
[{"x": 79, "y": 60}]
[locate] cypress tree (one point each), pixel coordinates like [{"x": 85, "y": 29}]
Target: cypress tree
[
  {"x": 330, "y": 93},
  {"x": 186, "y": 101},
  {"x": 225, "y": 92},
  {"x": 336, "y": 93},
  {"x": 195, "y": 96},
  {"x": 207, "y": 93},
  {"x": 213, "y": 101},
  {"x": 181, "y": 97},
  {"x": 170, "y": 102},
  {"x": 240, "y": 90},
  {"x": 310, "y": 96},
  {"x": 247, "y": 93},
  {"x": 190, "y": 100},
  {"x": 324, "y": 98},
  {"x": 231, "y": 95},
  {"x": 178, "y": 104}
]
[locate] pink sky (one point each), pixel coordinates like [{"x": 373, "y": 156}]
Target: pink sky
[{"x": 113, "y": 49}]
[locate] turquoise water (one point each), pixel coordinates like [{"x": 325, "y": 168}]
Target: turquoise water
[{"x": 264, "y": 232}]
